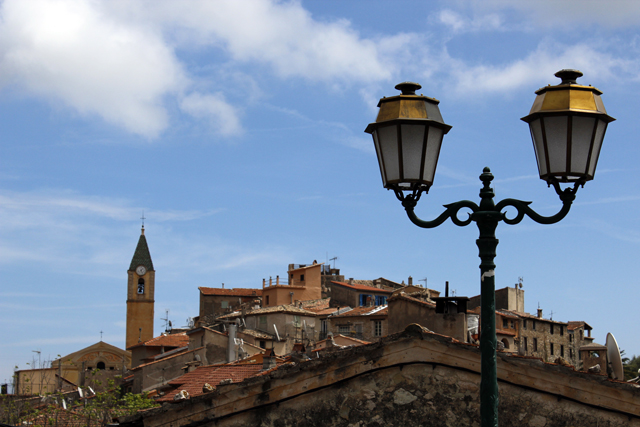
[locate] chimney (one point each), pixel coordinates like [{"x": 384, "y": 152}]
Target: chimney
[
  {"x": 277, "y": 280},
  {"x": 410, "y": 281},
  {"x": 539, "y": 313},
  {"x": 264, "y": 282},
  {"x": 223, "y": 286},
  {"x": 231, "y": 347},
  {"x": 270, "y": 281},
  {"x": 351, "y": 280},
  {"x": 446, "y": 289}
]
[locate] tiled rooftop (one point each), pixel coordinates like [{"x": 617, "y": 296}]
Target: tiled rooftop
[
  {"x": 285, "y": 308},
  {"x": 172, "y": 340},
  {"x": 193, "y": 381},
  {"x": 366, "y": 311},
  {"x": 360, "y": 287},
  {"x": 238, "y": 292}
]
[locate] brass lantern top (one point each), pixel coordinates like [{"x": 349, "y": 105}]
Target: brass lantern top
[
  {"x": 568, "y": 96},
  {"x": 408, "y": 106}
]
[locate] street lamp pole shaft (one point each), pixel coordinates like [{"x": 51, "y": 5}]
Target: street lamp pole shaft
[
  {"x": 487, "y": 215},
  {"x": 487, "y": 219}
]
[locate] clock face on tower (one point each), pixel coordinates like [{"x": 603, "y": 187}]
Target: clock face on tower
[{"x": 141, "y": 270}]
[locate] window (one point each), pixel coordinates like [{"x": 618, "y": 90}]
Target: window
[
  {"x": 302, "y": 277},
  {"x": 535, "y": 344},
  {"x": 344, "y": 329},
  {"x": 561, "y": 351},
  {"x": 263, "y": 344},
  {"x": 263, "y": 322},
  {"x": 505, "y": 323},
  {"x": 581, "y": 334},
  {"x": 551, "y": 348},
  {"x": 224, "y": 304},
  {"x": 551, "y": 329},
  {"x": 266, "y": 300},
  {"x": 561, "y": 330},
  {"x": 100, "y": 365},
  {"x": 571, "y": 353},
  {"x": 533, "y": 325},
  {"x": 323, "y": 326},
  {"x": 364, "y": 299},
  {"x": 512, "y": 324},
  {"x": 381, "y": 300},
  {"x": 526, "y": 345},
  {"x": 141, "y": 286},
  {"x": 524, "y": 324},
  {"x": 358, "y": 330},
  {"x": 377, "y": 328},
  {"x": 570, "y": 337},
  {"x": 296, "y": 321}
]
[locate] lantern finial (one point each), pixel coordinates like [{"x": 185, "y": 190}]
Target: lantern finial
[{"x": 568, "y": 76}]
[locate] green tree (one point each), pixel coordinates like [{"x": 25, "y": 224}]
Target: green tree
[{"x": 631, "y": 366}]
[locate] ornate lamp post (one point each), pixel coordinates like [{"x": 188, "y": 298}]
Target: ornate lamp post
[{"x": 567, "y": 124}]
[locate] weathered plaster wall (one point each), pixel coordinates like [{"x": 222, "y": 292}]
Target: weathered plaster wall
[{"x": 403, "y": 312}]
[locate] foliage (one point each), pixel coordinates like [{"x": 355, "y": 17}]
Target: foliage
[
  {"x": 631, "y": 367},
  {"x": 95, "y": 410}
]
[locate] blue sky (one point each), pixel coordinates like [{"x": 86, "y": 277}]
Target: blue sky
[{"x": 237, "y": 127}]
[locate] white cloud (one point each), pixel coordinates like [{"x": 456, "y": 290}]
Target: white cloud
[
  {"x": 282, "y": 35},
  {"x": 461, "y": 24},
  {"x": 214, "y": 108},
  {"x": 568, "y": 13},
  {"x": 73, "y": 52},
  {"x": 537, "y": 65}
]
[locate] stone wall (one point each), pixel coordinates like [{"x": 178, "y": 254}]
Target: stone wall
[{"x": 410, "y": 379}]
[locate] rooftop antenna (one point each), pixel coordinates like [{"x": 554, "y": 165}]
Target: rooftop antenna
[
  {"x": 167, "y": 323},
  {"x": 100, "y": 335},
  {"x": 520, "y": 281},
  {"x": 39, "y": 363},
  {"x": 423, "y": 280},
  {"x": 334, "y": 261},
  {"x": 551, "y": 315}
]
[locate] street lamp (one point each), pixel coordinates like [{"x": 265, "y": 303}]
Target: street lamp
[{"x": 567, "y": 123}]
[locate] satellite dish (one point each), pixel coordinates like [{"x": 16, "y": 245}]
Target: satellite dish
[
  {"x": 613, "y": 356},
  {"x": 276, "y": 329}
]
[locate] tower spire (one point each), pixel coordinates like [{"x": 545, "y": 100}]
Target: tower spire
[{"x": 142, "y": 218}]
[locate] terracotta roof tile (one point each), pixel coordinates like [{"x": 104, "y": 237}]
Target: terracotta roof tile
[
  {"x": 360, "y": 287},
  {"x": 193, "y": 381},
  {"x": 365, "y": 311},
  {"x": 285, "y": 308},
  {"x": 172, "y": 340},
  {"x": 238, "y": 292}
]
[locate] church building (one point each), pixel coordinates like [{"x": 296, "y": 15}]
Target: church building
[{"x": 140, "y": 295}]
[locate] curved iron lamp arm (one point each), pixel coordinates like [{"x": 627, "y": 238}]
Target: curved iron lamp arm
[{"x": 567, "y": 196}]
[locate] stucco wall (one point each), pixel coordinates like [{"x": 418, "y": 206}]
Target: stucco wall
[{"x": 403, "y": 312}]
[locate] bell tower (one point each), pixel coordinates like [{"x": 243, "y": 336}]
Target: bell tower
[{"x": 140, "y": 294}]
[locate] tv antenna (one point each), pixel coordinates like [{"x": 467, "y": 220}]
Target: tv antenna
[
  {"x": 39, "y": 362},
  {"x": 520, "y": 282},
  {"x": 167, "y": 322},
  {"x": 334, "y": 261},
  {"x": 423, "y": 280},
  {"x": 142, "y": 218},
  {"x": 100, "y": 335},
  {"x": 551, "y": 315}
]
